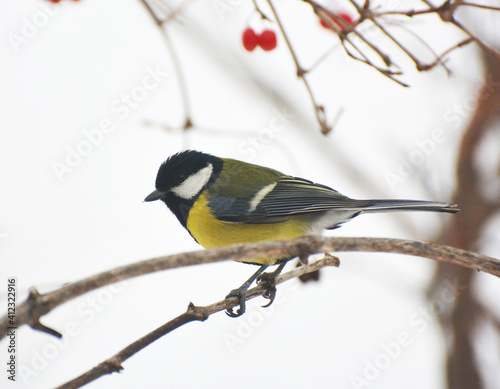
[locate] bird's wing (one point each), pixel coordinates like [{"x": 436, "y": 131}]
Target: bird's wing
[
  {"x": 294, "y": 196},
  {"x": 279, "y": 200}
]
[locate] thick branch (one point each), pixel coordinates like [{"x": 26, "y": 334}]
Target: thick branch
[
  {"x": 460, "y": 322},
  {"x": 38, "y": 305}
]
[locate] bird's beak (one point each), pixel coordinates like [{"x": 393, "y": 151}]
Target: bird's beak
[{"x": 155, "y": 195}]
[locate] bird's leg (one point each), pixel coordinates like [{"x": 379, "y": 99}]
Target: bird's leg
[
  {"x": 269, "y": 279},
  {"x": 241, "y": 293}
]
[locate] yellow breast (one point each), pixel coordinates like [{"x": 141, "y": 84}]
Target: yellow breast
[{"x": 210, "y": 232}]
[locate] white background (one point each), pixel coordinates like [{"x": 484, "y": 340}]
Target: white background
[{"x": 71, "y": 74}]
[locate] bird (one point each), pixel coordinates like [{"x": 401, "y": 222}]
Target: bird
[{"x": 223, "y": 201}]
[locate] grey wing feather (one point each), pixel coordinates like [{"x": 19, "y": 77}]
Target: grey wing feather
[{"x": 294, "y": 196}]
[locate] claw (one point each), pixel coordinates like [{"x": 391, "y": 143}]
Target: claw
[
  {"x": 238, "y": 313},
  {"x": 270, "y": 294},
  {"x": 268, "y": 279},
  {"x": 241, "y": 295},
  {"x": 268, "y": 304}
]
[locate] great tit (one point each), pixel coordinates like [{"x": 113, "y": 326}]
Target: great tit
[{"x": 222, "y": 201}]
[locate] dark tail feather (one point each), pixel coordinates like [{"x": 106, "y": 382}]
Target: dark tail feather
[{"x": 410, "y": 205}]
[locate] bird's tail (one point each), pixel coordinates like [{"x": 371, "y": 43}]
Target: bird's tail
[{"x": 409, "y": 205}]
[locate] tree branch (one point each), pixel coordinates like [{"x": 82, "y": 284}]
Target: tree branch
[
  {"x": 38, "y": 304},
  {"x": 462, "y": 320},
  {"x": 193, "y": 313}
]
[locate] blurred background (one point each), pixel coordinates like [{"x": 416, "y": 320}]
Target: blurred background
[{"x": 95, "y": 96}]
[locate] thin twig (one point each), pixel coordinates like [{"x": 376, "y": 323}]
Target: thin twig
[
  {"x": 344, "y": 36},
  {"x": 188, "y": 123},
  {"x": 365, "y": 13},
  {"x": 322, "y": 57},
  {"x": 37, "y": 305},
  {"x": 478, "y": 41},
  {"x": 411, "y": 13},
  {"x": 397, "y": 42},
  {"x": 386, "y": 72},
  {"x": 438, "y": 60},
  {"x": 319, "y": 110},
  {"x": 490, "y": 7},
  {"x": 259, "y": 11},
  {"x": 446, "y": 13}
]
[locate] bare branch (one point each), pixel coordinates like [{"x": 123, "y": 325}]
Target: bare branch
[
  {"x": 343, "y": 34},
  {"x": 386, "y": 72},
  {"x": 482, "y": 6},
  {"x": 444, "y": 11},
  {"x": 259, "y": 11},
  {"x": 439, "y": 59},
  {"x": 319, "y": 110},
  {"x": 193, "y": 313},
  {"x": 478, "y": 41},
  {"x": 38, "y": 304}
]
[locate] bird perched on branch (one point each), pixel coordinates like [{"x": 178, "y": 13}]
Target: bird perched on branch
[{"x": 223, "y": 201}]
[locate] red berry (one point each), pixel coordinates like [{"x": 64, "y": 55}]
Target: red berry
[
  {"x": 250, "y": 39},
  {"x": 54, "y": 1},
  {"x": 342, "y": 15},
  {"x": 267, "y": 40},
  {"x": 346, "y": 17}
]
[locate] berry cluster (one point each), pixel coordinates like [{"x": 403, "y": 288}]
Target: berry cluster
[{"x": 266, "y": 40}]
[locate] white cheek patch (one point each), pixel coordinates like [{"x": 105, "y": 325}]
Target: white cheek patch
[
  {"x": 194, "y": 183},
  {"x": 260, "y": 195}
]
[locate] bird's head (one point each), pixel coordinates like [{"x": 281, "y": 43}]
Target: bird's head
[{"x": 184, "y": 175}]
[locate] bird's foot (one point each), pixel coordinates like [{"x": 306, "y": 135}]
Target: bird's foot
[
  {"x": 241, "y": 294},
  {"x": 268, "y": 280}
]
